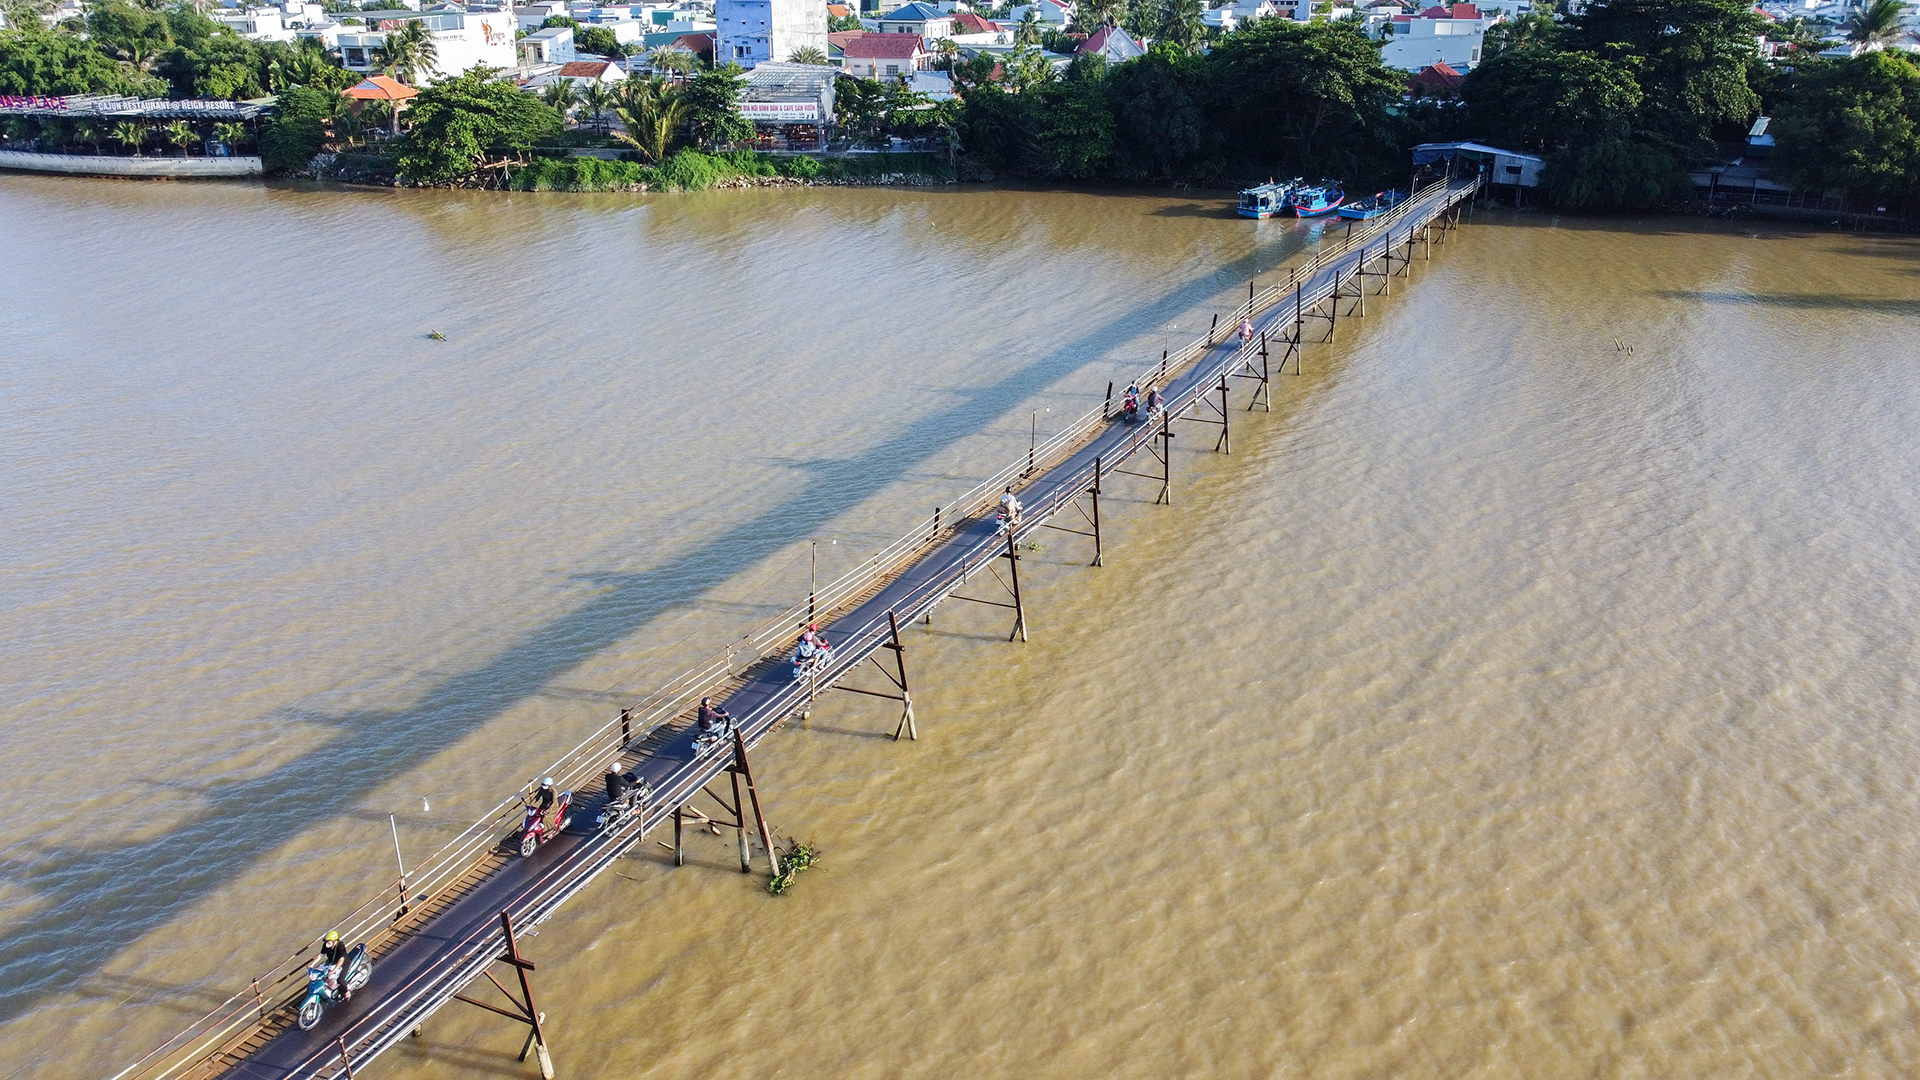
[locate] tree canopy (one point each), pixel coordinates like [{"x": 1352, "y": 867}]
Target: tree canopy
[
  {"x": 1853, "y": 125},
  {"x": 463, "y": 122}
]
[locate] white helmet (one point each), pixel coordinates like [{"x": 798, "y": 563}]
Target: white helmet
[{"x": 546, "y": 781}]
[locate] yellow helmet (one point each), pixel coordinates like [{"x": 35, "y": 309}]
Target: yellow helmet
[{"x": 333, "y": 935}]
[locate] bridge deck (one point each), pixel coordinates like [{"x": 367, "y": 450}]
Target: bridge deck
[{"x": 445, "y": 942}]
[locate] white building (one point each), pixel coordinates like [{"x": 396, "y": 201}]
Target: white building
[
  {"x": 554, "y": 45},
  {"x": 461, "y": 41},
  {"x": 753, "y": 32},
  {"x": 1439, "y": 35},
  {"x": 256, "y": 23}
]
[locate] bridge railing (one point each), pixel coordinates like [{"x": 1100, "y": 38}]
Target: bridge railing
[{"x": 377, "y": 920}]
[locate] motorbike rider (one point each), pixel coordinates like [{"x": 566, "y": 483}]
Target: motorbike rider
[
  {"x": 333, "y": 957},
  {"x": 711, "y": 718},
  {"x": 1010, "y": 506},
  {"x": 1246, "y": 331},
  {"x": 1131, "y": 403},
  {"x": 543, "y": 797},
  {"x": 616, "y": 782},
  {"x": 1154, "y": 402}
]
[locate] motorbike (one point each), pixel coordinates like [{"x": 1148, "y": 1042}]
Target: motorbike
[
  {"x": 534, "y": 829},
  {"x": 354, "y": 974},
  {"x": 1130, "y": 410},
  {"x": 617, "y": 811},
  {"x": 809, "y": 662},
  {"x": 720, "y": 733}
]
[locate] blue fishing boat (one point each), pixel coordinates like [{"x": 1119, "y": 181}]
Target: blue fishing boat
[
  {"x": 1316, "y": 201},
  {"x": 1373, "y": 205},
  {"x": 1268, "y": 199}
]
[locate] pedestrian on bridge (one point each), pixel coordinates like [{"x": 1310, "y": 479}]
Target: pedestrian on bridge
[{"x": 1246, "y": 331}]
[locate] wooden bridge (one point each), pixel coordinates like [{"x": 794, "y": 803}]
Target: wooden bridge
[{"x": 447, "y": 924}]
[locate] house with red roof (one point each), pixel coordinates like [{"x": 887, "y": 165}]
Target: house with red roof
[
  {"x": 883, "y": 56},
  {"x": 1436, "y": 81},
  {"x": 1451, "y": 34},
  {"x": 1113, "y": 43}
]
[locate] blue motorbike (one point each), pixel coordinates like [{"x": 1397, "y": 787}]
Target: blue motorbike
[{"x": 354, "y": 974}]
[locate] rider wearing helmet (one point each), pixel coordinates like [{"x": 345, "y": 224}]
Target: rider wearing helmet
[
  {"x": 543, "y": 798},
  {"x": 333, "y": 954},
  {"x": 1010, "y": 506},
  {"x": 711, "y": 718},
  {"x": 616, "y": 782}
]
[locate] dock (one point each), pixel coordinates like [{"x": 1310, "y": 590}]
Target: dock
[{"x": 448, "y": 926}]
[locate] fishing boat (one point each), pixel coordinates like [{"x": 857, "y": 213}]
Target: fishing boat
[
  {"x": 1316, "y": 201},
  {"x": 1373, "y": 205},
  {"x": 1268, "y": 199}
]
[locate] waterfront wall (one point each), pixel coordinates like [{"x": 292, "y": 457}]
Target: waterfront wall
[{"x": 139, "y": 167}]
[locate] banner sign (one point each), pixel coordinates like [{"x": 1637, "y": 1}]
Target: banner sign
[
  {"x": 780, "y": 110},
  {"x": 10, "y": 101}
]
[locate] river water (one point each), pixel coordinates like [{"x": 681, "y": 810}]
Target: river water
[{"x": 1532, "y": 693}]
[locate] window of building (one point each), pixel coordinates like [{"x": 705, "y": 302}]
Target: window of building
[{"x": 893, "y": 69}]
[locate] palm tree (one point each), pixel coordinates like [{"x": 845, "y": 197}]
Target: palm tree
[
  {"x": 1028, "y": 32},
  {"x": 652, "y": 115},
  {"x": 598, "y": 98},
  {"x": 1877, "y": 24},
  {"x": 89, "y": 132},
  {"x": 677, "y": 62},
  {"x": 807, "y": 54},
  {"x": 230, "y": 133},
  {"x": 559, "y": 94},
  {"x": 949, "y": 51},
  {"x": 129, "y": 133},
  {"x": 182, "y": 136},
  {"x": 410, "y": 52}
]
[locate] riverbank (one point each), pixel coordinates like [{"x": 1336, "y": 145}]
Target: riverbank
[{"x": 687, "y": 170}]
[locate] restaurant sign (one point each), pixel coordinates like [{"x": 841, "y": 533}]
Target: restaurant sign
[
  {"x": 11, "y": 101},
  {"x": 780, "y": 110}
]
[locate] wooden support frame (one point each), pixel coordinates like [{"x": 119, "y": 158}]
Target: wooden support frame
[
  {"x": 525, "y": 1010},
  {"x": 905, "y": 696},
  {"x": 1012, "y": 555},
  {"x": 1093, "y": 520}
]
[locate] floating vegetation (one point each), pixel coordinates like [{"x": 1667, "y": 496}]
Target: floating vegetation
[
  {"x": 437, "y": 336},
  {"x": 794, "y": 858}
]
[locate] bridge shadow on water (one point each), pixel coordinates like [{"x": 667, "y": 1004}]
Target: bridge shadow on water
[{"x": 88, "y": 905}]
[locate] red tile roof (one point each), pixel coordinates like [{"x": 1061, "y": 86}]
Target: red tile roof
[
  {"x": 839, "y": 11},
  {"x": 882, "y": 47},
  {"x": 584, "y": 69},
  {"x": 966, "y": 22}
]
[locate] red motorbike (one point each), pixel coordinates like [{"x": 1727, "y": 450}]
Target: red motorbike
[{"x": 534, "y": 828}]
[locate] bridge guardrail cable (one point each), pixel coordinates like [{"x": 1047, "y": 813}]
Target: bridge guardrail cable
[{"x": 213, "y": 1032}]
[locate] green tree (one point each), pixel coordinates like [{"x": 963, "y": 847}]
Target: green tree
[
  {"x": 1615, "y": 173},
  {"x": 1028, "y": 31},
  {"x": 1161, "y": 104},
  {"x": 561, "y": 96},
  {"x": 1853, "y": 125},
  {"x": 807, "y": 54},
  {"x": 36, "y": 61},
  {"x": 298, "y": 129},
  {"x": 713, "y": 107},
  {"x": 677, "y": 63},
  {"x": 842, "y": 23},
  {"x": 597, "y": 40},
  {"x": 1690, "y": 57},
  {"x": 230, "y": 133},
  {"x": 124, "y": 31},
  {"x": 597, "y": 97},
  {"x": 410, "y": 52},
  {"x": 1878, "y": 23},
  {"x": 181, "y": 135},
  {"x": 1180, "y": 24},
  {"x": 463, "y": 123},
  {"x": 1538, "y": 99},
  {"x": 91, "y": 133},
  {"x": 651, "y": 114},
  {"x": 1075, "y": 125},
  {"x": 1533, "y": 30},
  {"x": 130, "y": 134},
  {"x": 1308, "y": 99}
]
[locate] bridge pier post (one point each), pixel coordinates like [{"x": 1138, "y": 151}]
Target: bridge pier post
[
  {"x": 1019, "y": 608},
  {"x": 742, "y": 769},
  {"x": 1226, "y": 431},
  {"x": 906, "y": 692},
  {"x": 1099, "y": 556},
  {"x": 525, "y": 1011},
  {"x": 1265, "y": 396},
  {"x": 1166, "y": 460},
  {"x": 679, "y": 843}
]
